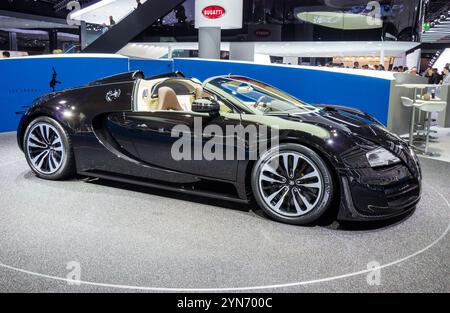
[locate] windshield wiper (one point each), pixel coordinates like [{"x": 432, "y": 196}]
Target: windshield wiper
[{"x": 277, "y": 114}]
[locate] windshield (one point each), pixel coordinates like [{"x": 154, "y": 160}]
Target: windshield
[{"x": 258, "y": 97}]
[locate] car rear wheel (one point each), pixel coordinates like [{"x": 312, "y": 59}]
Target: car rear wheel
[
  {"x": 292, "y": 184},
  {"x": 48, "y": 149}
]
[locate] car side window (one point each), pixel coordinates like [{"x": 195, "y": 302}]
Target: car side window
[
  {"x": 224, "y": 107},
  {"x": 174, "y": 95}
]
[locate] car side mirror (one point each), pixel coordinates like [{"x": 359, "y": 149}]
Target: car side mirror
[{"x": 206, "y": 106}]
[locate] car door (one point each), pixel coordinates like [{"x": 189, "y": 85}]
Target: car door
[{"x": 153, "y": 138}]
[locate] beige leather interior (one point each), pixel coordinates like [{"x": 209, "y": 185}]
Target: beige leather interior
[
  {"x": 144, "y": 100},
  {"x": 167, "y": 99},
  {"x": 186, "y": 102},
  {"x": 199, "y": 93}
]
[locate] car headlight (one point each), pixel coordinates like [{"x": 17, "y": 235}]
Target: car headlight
[
  {"x": 413, "y": 154},
  {"x": 381, "y": 157}
]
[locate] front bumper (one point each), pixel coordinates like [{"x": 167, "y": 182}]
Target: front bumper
[{"x": 376, "y": 194}]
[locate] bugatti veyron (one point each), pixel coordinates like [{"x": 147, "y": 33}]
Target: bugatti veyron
[{"x": 325, "y": 157}]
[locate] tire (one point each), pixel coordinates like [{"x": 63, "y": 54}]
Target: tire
[
  {"x": 48, "y": 149},
  {"x": 299, "y": 195}
]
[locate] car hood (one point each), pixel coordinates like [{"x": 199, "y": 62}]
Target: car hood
[
  {"x": 352, "y": 122},
  {"x": 357, "y": 127},
  {"x": 357, "y": 123},
  {"x": 325, "y": 119}
]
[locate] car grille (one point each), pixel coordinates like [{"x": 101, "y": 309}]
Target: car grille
[{"x": 402, "y": 193}]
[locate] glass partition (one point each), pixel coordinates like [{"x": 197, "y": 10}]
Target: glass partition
[{"x": 302, "y": 20}]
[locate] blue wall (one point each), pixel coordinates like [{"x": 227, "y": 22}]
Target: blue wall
[
  {"x": 24, "y": 79},
  {"x": 152, "y": 67},
  {"x": 368, "y": 94}
]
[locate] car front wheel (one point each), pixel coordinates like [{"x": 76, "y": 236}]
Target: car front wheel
[{"x": 292, "y": 184}]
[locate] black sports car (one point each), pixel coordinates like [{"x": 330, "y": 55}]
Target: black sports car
[{"x": 325, "y": 157}]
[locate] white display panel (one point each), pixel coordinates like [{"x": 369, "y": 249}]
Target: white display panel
[
  {"x": 226, "y": 14},
  {"x": 444, "y": 58}
]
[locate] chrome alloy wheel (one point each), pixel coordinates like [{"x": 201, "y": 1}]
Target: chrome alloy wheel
[
  {"x": 45, "y": 148},
  {"x": 290, "y": 184}
]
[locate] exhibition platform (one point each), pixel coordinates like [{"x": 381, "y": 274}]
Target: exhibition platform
[
  {"x": 224, "y": 155},
  {"x": 131, "y": 238}
]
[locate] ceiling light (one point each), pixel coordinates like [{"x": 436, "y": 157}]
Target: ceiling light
[{"x": 339, "y": 20}]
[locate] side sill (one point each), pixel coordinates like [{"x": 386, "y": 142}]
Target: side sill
[{"x": 183, "y": 190}]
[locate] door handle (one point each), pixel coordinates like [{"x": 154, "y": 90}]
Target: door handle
[
  {"x": 141, "y": 126},
  {"x": 159, "y": 130}
]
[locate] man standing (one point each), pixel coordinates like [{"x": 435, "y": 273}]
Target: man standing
[
  {"x": 112, "y": 22},
  {"x": 413, "y": 71},
  {"x": 446, "y": 79}
]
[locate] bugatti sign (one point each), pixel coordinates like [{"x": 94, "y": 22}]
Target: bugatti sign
[
  {"x": 224, "y": 14},
  {"x": 263, "y": 32},
  {"x": 213, "y": 12}
]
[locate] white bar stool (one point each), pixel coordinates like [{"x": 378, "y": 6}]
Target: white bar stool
[
  {"x": 429, "y": 107},
  {"x": 409, "y": 103}
]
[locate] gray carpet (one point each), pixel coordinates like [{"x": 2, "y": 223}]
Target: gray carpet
[{"x": 136, "y": 239}]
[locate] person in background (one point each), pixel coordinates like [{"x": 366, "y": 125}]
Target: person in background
[
  {"x": 112, "y": 22},
  {"x": 6, "y": 54},
  {"x": 356, "y": 65},
  {"x": 429, "y": 74},
  {"x": 381, "y": 67},
  {"x": 365, "y": 67},
  {"x": 413, "y": 71},
  {"x": 400, "y": 69},
  {"x": 376, "y": 67},
  {"x": 405, "y": 69},
  {"x": 437, "y": 78},
  {"x": 395, "y": 69},
  {"x": 104, "y": 28},
  {"x": 446, "y": 77}
]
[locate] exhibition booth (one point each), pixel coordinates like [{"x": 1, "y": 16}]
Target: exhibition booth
[
  {"x": 210, "y": 149},
  {"x": 375, "y": 92}
]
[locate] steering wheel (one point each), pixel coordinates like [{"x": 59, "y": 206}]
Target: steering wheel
[{"x": 261, "y": 104}]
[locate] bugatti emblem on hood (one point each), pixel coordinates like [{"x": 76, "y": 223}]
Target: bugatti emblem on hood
[{"x": 113, "y": 95}]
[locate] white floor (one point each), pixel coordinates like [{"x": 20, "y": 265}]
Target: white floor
[{"x": 443, "y": 146}]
